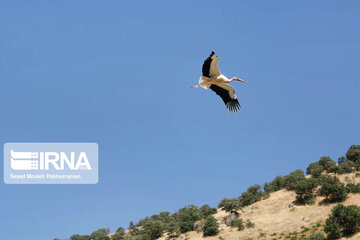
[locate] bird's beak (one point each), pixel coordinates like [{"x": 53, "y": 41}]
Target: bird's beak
[{"x": 241, "y": 80}]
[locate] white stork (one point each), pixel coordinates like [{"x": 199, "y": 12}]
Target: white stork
[{"x": 213, "y": 79}]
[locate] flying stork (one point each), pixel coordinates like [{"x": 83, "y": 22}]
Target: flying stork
[{"x": 213, "y": 79}]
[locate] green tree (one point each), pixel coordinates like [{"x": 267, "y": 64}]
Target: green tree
[
  {"x": 206, "y": 211},
  {"x": 304, "y": 190},
  {"x": 80, "y": 237},
  {"x": 133, "y": 230},
  {"x": 346, "y": 167},
  {"x": 117, "y": 236},
  {"x": 252, "y": 195},
  {"x": 173, "y": 229},
  {"x": 230, "y": 205},
  {"x": 332, "y": 189},
  {"x": 353, "y": 188},
  {"x": 343, "y": 219},
  {"x": 187, "y": 217},
  {"x": 154, "y": 229},
  {"x": 99, "y": 235},
  {"x": 211, "y": 227},
  {"x": 314, "y": 169},
  {"x": 327, "y": 163},
  {"x": 292, "y": 178},
  {"x": 333, "y": 230},
  {"x": 274, "y": 185},
  {"x": 353, "y": 154}
]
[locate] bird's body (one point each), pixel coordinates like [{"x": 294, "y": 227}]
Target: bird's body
[{"x": 213, "y": 79}]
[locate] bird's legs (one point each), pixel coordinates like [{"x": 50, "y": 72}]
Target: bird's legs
[{"x": 196, "y": 86}]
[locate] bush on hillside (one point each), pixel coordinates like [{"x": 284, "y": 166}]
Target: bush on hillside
[
  {"x": 353, "y": 153},
  {"x": 154, "y": 229},
  {"x": 304, "y": 191},
  {"x": 327, "y": 163},
  {"x": 346, "y": 167},
  {"x": 343, "y": 221},
  {"x": 173, "y": 229},
  {"x": 229, "y": 205},
  {"x": 211, "y": 227},
  {"x": 247, "y": 198},
  {"x": 238, "y": 223},
  {"x": 80, "y": 237},
  {"x": 292, "y": 178},
  {"x": 100, "y": 234},
  {"x": 324, "y": 164},
  {"x": 314, "y": 169},
  {"x": 316, "y": 236},
  {"x": 274, "y": 185},
  {"x": 117, "y": 236},
  {"x": 252, "y": 195},
  {"x": 249, "y": 224},
  {"x": 186, "y": 217},
  {"x": 206, "y": 211},
  {"x": 353, "y": 188},
  {"x": 332, "y": 189}
]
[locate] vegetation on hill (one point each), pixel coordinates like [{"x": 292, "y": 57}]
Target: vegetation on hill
[{"x": 341, "y": 222}]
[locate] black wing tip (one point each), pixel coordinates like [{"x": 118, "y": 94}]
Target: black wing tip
[
  {"x": 233, "y": 106},
  {"x": 212, "y": 53}
]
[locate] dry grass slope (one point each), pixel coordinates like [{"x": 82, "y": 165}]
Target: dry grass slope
[{"x": 277, "y": 214}]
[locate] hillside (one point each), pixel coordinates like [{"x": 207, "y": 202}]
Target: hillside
[
  {"x": 323, "y": 202},
  {"x": 278, "y": 214}
]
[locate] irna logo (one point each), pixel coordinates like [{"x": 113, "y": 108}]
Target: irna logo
[
  {"x": 60, "y": 163},
  {"x": 46, "y": 160}
]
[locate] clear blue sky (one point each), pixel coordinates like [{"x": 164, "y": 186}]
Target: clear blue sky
[{"x": 119, "y": 73}]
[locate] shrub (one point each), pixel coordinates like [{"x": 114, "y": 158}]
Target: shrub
[
  {"x": 238, "y": 223},
  {"x": 247, "y": 198},
  {"x": 187, "y": 217},
  {"x": 117, "y": 236},
  {"x": 252, "y": 195},
  {"x": 332, "y": 189},
  {"x": 211, "y": 227},
  {"x": 326, "y": 163},
  {"x": 353, "y": 153},
  {"x": 154, "y": 229},
  {"x": 346, "y": 167},
  {"x": 80, "y": 237},
  {"x": 314, "y": 169},
  {"x": 206, "y": 211},
  {"x": 99, "y": 235},
  {"x": 230, "y": 205},
  {"x": 173, "y": 229},
  {"x": 353, "y": 188},
  {"x": 274, "y": 185},
  {"x": 316, "y": 236},
  {"x": 292, "y": 178},
  {"x": 304, "y": 190},
  {"x": 332, "y": 230},
  {"x": 343, "y": 219},
  {"x": 333, "y": 169},
  {"x": 133, "y": 230},
  {"x": 249, "y": 224}
]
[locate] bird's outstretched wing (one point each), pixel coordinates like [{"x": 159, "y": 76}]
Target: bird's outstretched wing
[
  {"x": 210, "y": 67},
  {"x": 227, "y": 94}
]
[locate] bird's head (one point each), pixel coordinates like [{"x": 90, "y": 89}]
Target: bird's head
[
  {"x": 237, "y": 79},
  {"x": 214, "y": 56}
]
